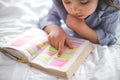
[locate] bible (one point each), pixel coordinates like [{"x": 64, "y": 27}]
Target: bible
[{"x": 32, "y": 48}]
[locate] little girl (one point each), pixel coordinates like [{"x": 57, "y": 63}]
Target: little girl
[{"x": 94, "y": 20}]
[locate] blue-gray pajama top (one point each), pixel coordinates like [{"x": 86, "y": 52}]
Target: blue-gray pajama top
[{"x": 104, "y": 20}]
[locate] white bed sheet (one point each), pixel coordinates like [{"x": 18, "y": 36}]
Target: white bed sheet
[{"x": 16, "y": 16}]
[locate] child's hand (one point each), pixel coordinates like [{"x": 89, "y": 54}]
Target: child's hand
[
  {"x": 73, "y": 22},
  {"x": 80, "y": 27},
  {"x": 57, "y": 38}
]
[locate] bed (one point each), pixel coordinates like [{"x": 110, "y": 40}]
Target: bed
[{"x": 16, "y": 16}]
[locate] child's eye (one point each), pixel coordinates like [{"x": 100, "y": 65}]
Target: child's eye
[
  {"x": 84, "y": 2},
  {"x": 67, "y": 2}
]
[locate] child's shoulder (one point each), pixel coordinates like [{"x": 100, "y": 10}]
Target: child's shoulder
[
  {"x": 106, "y": 10},
  {"x": 102, "y": 5},
  {"x": 105, "y": 7}
]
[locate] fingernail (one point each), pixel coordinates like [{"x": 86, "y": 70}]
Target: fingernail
[{"x": 58, "y": 55}]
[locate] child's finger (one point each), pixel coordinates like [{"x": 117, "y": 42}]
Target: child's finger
[
  {"x": 60, "y": 49},
  {"x": 68, "y": 43},
  {"x": 51, "y": 41}
]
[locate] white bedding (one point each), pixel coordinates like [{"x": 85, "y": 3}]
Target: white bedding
[{"x": 16, "y": 16}]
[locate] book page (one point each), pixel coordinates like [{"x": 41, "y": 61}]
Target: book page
[
  {"x": 48, "y": 58},
  {"x": 30, "y": 42}
]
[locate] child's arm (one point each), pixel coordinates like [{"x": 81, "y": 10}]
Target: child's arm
[
  {"x": 80, "y": 27},
  {"x": 51, "y": 24},
  {"x": 57, "y": 37}
]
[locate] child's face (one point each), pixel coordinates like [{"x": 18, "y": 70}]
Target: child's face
[{"x": 80, "y": 8}]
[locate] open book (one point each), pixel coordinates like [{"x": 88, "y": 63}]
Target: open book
[{"x": 32, "y": 48}]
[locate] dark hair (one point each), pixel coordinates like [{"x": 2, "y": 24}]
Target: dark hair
[
  {"x": 111, "y": 3},
  {"x": 108, "y": 2}
]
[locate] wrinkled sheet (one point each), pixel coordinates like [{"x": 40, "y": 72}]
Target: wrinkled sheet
[{"x": 16, "y": 16}]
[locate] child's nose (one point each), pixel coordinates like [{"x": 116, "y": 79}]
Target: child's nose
[{"x": 75, "y": 9}]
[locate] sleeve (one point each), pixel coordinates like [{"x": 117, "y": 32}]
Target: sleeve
[
  {"x": 107, "y": 30},
  {"x": 51, "y": 18}
]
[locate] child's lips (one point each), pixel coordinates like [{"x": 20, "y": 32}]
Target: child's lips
[{"x": 79, "y": 16}]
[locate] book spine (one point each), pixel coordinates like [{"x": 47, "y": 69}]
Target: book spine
[{"x": 12, "y": 57}]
